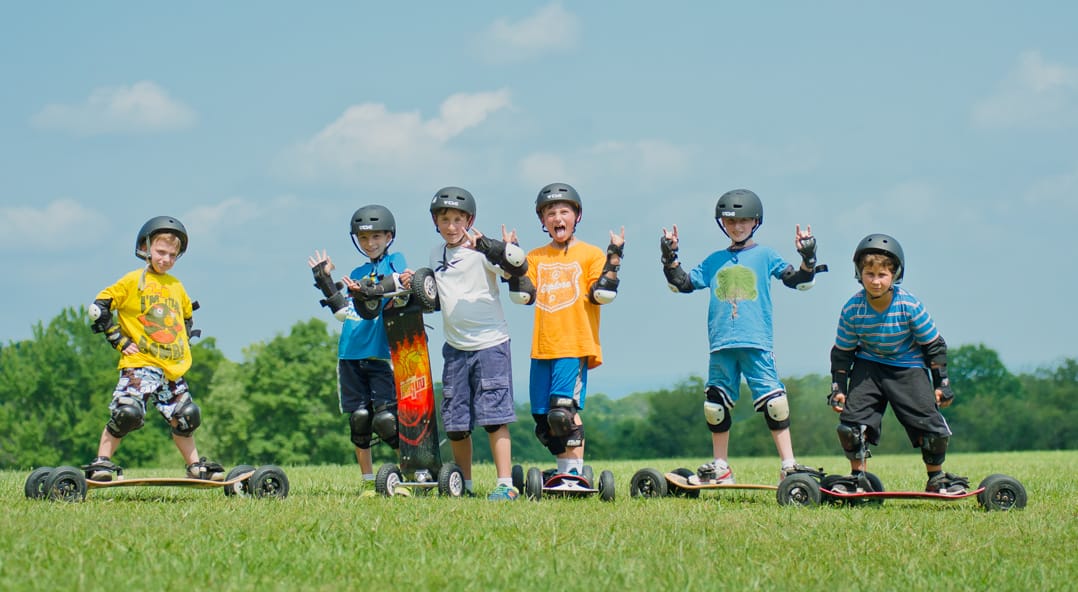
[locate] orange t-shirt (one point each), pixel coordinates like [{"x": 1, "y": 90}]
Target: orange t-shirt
[{"x": 566, "y": 320}]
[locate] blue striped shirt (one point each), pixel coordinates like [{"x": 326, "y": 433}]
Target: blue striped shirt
[{"x": 892, "y": 337}]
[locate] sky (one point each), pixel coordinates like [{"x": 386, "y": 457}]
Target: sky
[{"x": 263, "y": 125}]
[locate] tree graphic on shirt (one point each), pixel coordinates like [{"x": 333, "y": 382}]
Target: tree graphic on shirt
[{"x": 734, "y": 284}]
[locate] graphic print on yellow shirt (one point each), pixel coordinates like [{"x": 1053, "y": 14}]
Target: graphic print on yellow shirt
[{"x": 558, "y": 285}]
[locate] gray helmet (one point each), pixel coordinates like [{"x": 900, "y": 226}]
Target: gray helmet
[
  {"x": 453, "y": 198},
  {"x": 556, "y": 192},
  {"x": 374, "y": 217},
  {"x": 739, "y": 203},
  {"x": 883, "y": 244},
  {"x": 156, "y": 225}
]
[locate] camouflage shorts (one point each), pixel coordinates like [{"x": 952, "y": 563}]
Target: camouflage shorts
[{"x": 148, "y": 385}]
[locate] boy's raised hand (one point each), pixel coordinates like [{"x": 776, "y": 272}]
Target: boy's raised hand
[
  {"x": 318, "y": 258},
  {"x": 509, "y": 237},
  {"x": 669, "y": 245},
  {"x": 618, "y": 240}
]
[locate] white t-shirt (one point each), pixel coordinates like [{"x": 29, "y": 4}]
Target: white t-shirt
[{"x": 469, "y": 296}]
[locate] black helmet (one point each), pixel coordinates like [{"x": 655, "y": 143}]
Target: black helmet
[
  {"x": 883, "y": 244},
  {"x": 739, "y": 203},
  {"x": 558, "y": 192},
  {"x": 374, "y": 217},
  {"x": 453, "y": 198},
  {"x": 156, "y": 225}
]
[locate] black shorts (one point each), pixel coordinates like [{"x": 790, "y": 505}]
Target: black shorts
[
  {"x": 365, "y": 382},
  {"x": 908, "y": 390}
]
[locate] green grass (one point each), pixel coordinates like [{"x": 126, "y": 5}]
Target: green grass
[{"x": 324, "y": 536}]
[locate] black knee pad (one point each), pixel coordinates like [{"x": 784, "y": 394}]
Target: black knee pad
[
  {"x": 562, "y": 416},
  {"x": 385, "y": 424},
  {"x": 575, "y": 437},
  {"x": 934, "y": 449},
  {"x": 717, "y": 411},
  {"x": 493, "y": 428},
  {"x": 359, "y": 423},
  {"x": 555, "y": 445},
  {"x": 188, "y": 417},
  {"x": 458, "y": 436},
  {"x": 126, "y": 418},
  {"x": 852, "y": 439}
]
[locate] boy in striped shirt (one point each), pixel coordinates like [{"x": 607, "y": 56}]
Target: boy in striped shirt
[{"x": 888, "y": 350}]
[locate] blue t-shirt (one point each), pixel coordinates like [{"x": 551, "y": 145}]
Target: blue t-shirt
[
  {"x": 892, "y": 337},
  {"x": 739, "y": 314},
  {"x": 360, "y": 338}
]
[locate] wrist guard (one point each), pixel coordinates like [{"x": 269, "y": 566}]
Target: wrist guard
[
  {"x": 942, "y": 383},
  {"x": 334, "y": 300},
  {"x": 116, "y": 338},
  {"x": 808, "y": 251},
  {"x": 669, "y": 251}
]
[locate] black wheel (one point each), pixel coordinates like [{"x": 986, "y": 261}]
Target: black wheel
[
  {"x": 66, "y": 484},
  {"x": 876, "y": 485},
  {"x": 533, "y": 484},
  {"x": 368, "y": 309},
  {"x": 648, "y": 483},
  {"x": 606, "y": 486},
  {"x": 242, "y": 488},
  {"x": 589, "y": 474},
  {"x": 680, "y": 491},
  {"x": 35, "y": 483},
  {"x": 518, "y": 477},
  {"x": 839, "y": 484},
  {"x": 268, "y": 481},
  {"x": 451, "y": 480},
  {"x": 1002, "y": 493},
  {"x": 798, "y": 489},
  {"x": 424, "y": 289},
  {"x": 387, "y": 479}
]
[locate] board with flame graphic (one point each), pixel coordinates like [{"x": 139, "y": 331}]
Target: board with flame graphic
[{"x": 417, "y": 421}]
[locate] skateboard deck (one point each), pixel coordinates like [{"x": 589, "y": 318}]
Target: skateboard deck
[
  {"x": 168, "y": 482},
  {"x": 684, "y": 483},
  {"x": 900, "y": 494},
  {"x": 416, "y": 418}
]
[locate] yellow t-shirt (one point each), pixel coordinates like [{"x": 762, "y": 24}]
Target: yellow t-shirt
[
  {"x": 566, "y": 320},
  {"x": 153, "y": 318}
]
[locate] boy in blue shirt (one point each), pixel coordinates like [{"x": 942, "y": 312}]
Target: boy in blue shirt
[
  {"x": 885, "y": 343},
  {"x": 365, "y": 382},
  {"x": 739, "y": 319}
]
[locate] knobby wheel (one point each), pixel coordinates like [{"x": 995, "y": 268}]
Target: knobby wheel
[
  {"x": 243, "y": 488},
  {"x": 269, "y": 481},
  {"x": 648, "y": 483},
  {"x": 798, "y": 490},
  {"x": 1002, "y": 493},
  {"x": 35, "y": 483}
]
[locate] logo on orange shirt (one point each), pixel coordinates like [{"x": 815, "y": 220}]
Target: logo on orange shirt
[{"x": 559, "y": 285}]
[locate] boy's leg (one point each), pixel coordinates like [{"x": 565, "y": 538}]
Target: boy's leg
[
  {"x": 569, "y": 381},
  {"x": 493, "y": 405},
  {"x": 861, "y": 420},
  {"x": 501, "y": 446},
  {"x": 187, "y": 448},
  {"x": 457, "y": 407}
]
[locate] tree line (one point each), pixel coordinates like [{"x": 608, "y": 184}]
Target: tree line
[{"x": 279, "y": 405}]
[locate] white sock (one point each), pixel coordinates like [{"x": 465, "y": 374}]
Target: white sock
[
  {"x": 506, "y": 481},
  {"x": 720, "y": 464},
  {"x": 789, "y": 463},
  {"x": 563, "y": 465},
  {"x": 574, "y": 463},
  {"x": 468, "y": 484},
  {"x": 368, "y": 476}
]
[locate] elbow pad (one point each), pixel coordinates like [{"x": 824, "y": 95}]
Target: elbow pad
[
  {"x": 508, "y": 256},
  {"x": 521, "y": 290},
  {"x": 799, "y": 278},
  {"x": 935, "y": 352},
  {"x": 101, "y": 314},
  {"x": 604, "y": 290},
  {"x": 677, "y": 279},
  {"x": 841, "y": 359}
]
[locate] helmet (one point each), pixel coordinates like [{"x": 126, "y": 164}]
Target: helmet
[
  {"x": 883, "y": 244},
  {"x": 558, "y": 192},
  {"x": 374, "y": 217},
  {"x": 739, "y": 203},
  {"x": 453, "y": 198},
  {"x": 154, "y": 226}
]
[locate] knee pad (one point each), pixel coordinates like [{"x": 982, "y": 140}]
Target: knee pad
[
  {"x": 187, "y": 417},
  {"x": 776, "y": 412},
  {"x": 852, "y": 438},
  {"x": 715, "y": 411},
  {"x": 575, "y": 437},
  {"x": 458, "y": 436},
  {"x": 556, "y": 446},
  {"x": 360, "y": 425},
  {"x": 934, "y": 449},
  {"x": 126, "y": 417},
  {"x": 385, "y": 425},
  {"x": 493, "y": 428},
  {"x": 561, "y": 416}
]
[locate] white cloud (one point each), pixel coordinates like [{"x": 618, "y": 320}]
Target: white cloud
[
  {"x": 61, "y": 225},
  {"x": 1035, "y": 95},
  {"x": 141, "y": 107},
  {"x": 640, "y": 161},
  {"x": 369, "y": 140},
  {"x": 551, "y": 29}
]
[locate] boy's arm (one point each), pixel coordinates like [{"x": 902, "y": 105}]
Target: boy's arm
[
  {"x": 841, "y": 362},
  {"x": 804, "y": 277},
  {"x": 101, "y": 315},
  {"x": 605, "y": 289},
  {"x": 334, "y": 299},
  {"x": 676, "y": 277},
  {"x": 935, "y": 353},
  {"x": 506, "y": 254}
]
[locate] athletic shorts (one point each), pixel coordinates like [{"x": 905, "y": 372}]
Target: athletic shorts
[
  {"x": 563, "y": 377},
  {"x": 362, "y": 383},
  {"x": 909, "y": 392},
  {"x": 477, "y": 387},
  {"x": 727, "y": 366},
  {"x": 146, "y": 385}
]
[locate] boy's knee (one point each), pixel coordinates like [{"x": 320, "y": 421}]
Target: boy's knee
[
  {"x": 934, "y": 449},
  {"x": 717, "y": 411},
  {"x": 187, "y": 418},
  {"x": 776, "y": 412}
]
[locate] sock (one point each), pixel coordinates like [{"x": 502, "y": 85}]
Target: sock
[
  {"x": 934, "y": 473},
  {"x": 720, "y": 464},
  {"x": 789, "y": 463},
  {"x": 468, "y": 484},
  {"x": 563, "y": 465},
  {"x": 506, "y": 481},
  {"x": 368, "y": 476},
  {"x": 577, "y": 464}
]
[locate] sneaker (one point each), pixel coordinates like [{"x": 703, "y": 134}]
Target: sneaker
[
  {"x": 504, "y": 493},
  {"x": 206, "y": 470},
  {"x": 947, "y": 484},
  {"x": 785, "y": 472},
  {"x": 102, "y": 469},
  {"x": 710, "y": 473}
]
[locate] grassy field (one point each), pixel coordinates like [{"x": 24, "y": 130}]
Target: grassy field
[{"x": 325, "y": 536}]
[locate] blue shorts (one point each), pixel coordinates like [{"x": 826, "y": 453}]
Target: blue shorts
[
  {"x": 147, "y": 385},
  {"x": 365, "y": 382},
  {"x": 563, "y": 377},
  {"x": 727, "y": 366},
  {"x": 477, "y": 387}
]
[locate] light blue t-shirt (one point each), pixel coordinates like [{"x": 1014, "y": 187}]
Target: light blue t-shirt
[
  {"x": 892, "y": 337},
  {"x": 739, "y": 313},
  {"x": 362, "y": 339}
]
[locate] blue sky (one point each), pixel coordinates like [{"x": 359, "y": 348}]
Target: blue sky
[{"x": 264, "y": 125}]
